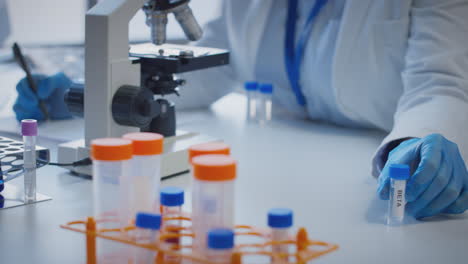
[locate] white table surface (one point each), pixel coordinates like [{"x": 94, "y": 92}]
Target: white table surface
[{"x": 322, "y": 172}]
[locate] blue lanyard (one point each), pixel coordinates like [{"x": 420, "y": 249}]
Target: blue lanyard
[{"x": 294, "y": 53}]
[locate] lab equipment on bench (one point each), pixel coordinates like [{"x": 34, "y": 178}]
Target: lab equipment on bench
[
  {"x": 212, "y": 195},
  {"x": 399, "y": 174},
  {"x": 213, "y": 208},
  {"x": 146, "y": 232},
  {"x": 220, "y": 245},
  {"x": 265, "y": 106},
  {"x": 29, "y": 133},
  {"x": 280, "y": 220},
  {"x": 251, "y": 90},
  {"x": 303, "y": 249},
  {"x": 145, "y": 173},
  {"x": 125, "y": 87}
]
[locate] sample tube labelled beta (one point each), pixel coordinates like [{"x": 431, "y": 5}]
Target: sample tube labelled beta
[{"x": 399, "y": 174}]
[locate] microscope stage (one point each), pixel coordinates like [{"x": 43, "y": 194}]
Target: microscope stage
[{"x": 170, "y": 58}]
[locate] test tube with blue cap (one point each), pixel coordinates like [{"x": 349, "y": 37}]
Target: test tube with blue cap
[
  {"x": 220, "y": 244},
  {"x": 251, "y": 89},
  {"x": 280, "y": 220},
  {"x": 399, "y": 174},
  {"x": 144, "y": 179},
  {"x": 213, "y": 196},
  {"x": 265, "y": 107},
  {"x": 147, "y": 232},
  {"x": 172, "y": 199},
  {"x": 29, "y": 132}
]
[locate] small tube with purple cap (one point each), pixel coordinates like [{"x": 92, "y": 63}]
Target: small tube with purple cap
[{"x": 29, "y": 133}]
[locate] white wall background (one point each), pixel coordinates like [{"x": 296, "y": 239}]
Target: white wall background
[{"x": 62, "y": 21}]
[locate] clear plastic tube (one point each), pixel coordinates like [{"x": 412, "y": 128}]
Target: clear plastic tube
[
  {"x": 265, "y": 106},
  {"x": 280, "y": 234},
  {"x": 220, "y": 245},
  {"x": 146, "y": 232},
  {"x": 251, "y": 105},
  {"x": 111, "y": 165},
  {"x": 220, "y": 256},
  {"x": 144, "y": 184},
  {"x": 280, "y": 220},
  {"x": 29, "y": 159},
  {"x": 397, "y": 202},
  {"x": 173, "y": 225},
  {"x": 212, "y": 196},
  {"x": 145, "y": 236},
  {"x": 213, "y": 207}
]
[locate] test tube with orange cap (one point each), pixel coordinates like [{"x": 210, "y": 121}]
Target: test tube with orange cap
[
  {"x": 213, "y": 196},
  {"x": 111, "y": 164},
  {"x": 145, "y": 177}
]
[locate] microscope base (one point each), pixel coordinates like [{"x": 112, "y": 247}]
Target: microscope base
[{"x": 174, "y": 158}]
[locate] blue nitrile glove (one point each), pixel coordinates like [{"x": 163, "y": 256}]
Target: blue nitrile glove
[
  {"x": 51, "y": 89},
  {"x": 439, "y": 180}
]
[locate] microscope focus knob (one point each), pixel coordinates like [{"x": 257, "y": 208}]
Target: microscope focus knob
[
  {"x": 133, "y": 106},
  {"x": 74, "y": 99}
]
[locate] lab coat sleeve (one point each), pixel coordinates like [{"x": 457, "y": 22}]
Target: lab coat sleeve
[
  {"x": 204, "y": 87},
  {"x": 435, "y": 77}
]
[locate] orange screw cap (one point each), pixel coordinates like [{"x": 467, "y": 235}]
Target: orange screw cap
[
  {"x": 214, "y": 167},
  {"x": 209, "y": 148},
  {"x": 111, "y": 149},
  {"x": 145, "y": 143}
]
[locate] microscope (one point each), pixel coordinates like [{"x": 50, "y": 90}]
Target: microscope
[{"x": 125, "y": 86}]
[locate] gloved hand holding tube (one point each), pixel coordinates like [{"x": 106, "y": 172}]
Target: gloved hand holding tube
[
  {"x": 51, "y": 90},
  {"x": 439, "y": 179}
]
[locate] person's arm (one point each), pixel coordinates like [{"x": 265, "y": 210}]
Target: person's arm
[
  {"x": 435, "y": 100},
  {"x": 204, "y": 87},
  {"x": 435, "y": 77}
]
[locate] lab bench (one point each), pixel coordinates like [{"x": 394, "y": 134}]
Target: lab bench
[{"x": 320, "y": 171}]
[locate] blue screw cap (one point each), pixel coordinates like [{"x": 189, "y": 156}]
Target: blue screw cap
[
  {"x": 399, "y": 171},
  {"x": 148, "y": 221},
  {"x": 221, "y": 238},
  {"x": 172, "y": 196},
  {"x": 280, "y": 218},
  {"x": 251, "y": 86},
  {"x": 266, "y": 88}
]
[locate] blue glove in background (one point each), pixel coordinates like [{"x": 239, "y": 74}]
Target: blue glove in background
[
  {"x": 51, "y": 89},
  {"x": 439, "y": 179}
]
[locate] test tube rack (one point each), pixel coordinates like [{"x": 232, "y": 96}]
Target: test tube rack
[{"x": 305, "y": 250}]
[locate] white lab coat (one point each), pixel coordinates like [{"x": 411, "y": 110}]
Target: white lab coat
[{"x": 401, "y": 66}]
